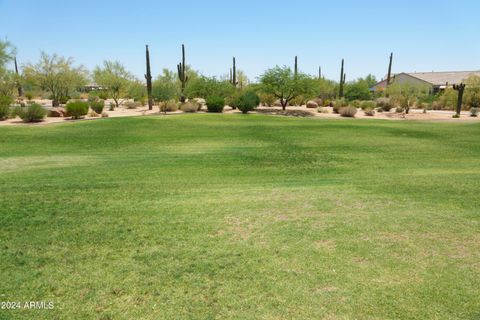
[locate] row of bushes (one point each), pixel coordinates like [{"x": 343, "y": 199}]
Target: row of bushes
[{"x": 245, "y": 102}]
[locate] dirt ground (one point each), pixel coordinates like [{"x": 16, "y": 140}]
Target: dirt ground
[{"x": 415, "y": 114}]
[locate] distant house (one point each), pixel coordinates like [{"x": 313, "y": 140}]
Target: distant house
[
  {"x": 437, "y": 81},
  {"x": 91, "y": 87}
]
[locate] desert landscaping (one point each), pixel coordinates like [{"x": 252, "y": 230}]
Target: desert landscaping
[{"x": 250, "y": 160}]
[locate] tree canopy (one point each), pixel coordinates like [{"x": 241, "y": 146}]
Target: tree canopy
[
  {"x": 114, "y": 78},
  {"x": 284, "y": 84},
  {"x": 57, "y": 75}
]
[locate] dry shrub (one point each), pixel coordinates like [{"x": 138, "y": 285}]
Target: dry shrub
[{"x": 348, "y": 112}]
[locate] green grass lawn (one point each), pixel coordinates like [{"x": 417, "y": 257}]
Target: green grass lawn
[{"x": 241, "y": 217}]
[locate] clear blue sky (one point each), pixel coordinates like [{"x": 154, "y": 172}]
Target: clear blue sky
[{"x": 424, "y": 35}]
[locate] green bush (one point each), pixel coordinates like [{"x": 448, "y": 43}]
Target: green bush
[
  {"x": 367, "y": 105},
  {"x": 267, "y": 99},
  {"x": 97, "y": 105},
  {"x": 384, "y": 103},
  {"x": 31, "y": 113},
  {"x": 5, "y": 102},
  {"x": 215, "y": 104},
  {"x": 348, "y": 111},
  {"x": 474, "y": 112},
  {"x": 339, "y": 104},
  {"x": 247, "y": 101},
  {"x": 355, "y": 103},
  {"x": 77, "y": 109}
]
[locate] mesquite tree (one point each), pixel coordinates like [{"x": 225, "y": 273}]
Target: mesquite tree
[
  {"x": 148, "y": 77},
  {"x": 460, "y": 88},
  {"x": 285, "y": 85},
  {"x": 182, "y": 76}
]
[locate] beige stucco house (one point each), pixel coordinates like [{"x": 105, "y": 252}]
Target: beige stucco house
[{"x": 436, "y": 80}]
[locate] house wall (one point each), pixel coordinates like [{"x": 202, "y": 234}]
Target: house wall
[{"x": 405, "y": 78}]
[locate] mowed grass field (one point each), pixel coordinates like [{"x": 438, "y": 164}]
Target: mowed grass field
[{"x": 241, "y": 217}]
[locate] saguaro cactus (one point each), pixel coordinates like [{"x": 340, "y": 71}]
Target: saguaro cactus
[
  {"x": 148, "y": 77},
  {"x": 19, "y": 85},
  {"x": 460, "y": 88},
  {"x": 295, "y": 70},
  {"x": 182, "y": 75},
  {"x": 342, "y": 81},
  {"x": 319, "y": 72},
  {"x": 389, "y": 74},
  {"x": 233, "y": 74}
]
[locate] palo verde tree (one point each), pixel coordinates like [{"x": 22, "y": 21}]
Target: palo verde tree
[
  {"x": 472, "y": 91},
  {"x": 284, "y": 84},
  {"x": 114, "y": 78},
  {"x": 165, "y": 86},
  {"x": 57, "y": 75},
  {"x": 7, "y": 77}
]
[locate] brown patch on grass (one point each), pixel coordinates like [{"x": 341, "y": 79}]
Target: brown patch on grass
[{"x": 325, "y": 244}]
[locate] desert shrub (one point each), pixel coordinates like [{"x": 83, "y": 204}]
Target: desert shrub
[
  {"x": 322, "y": 110},
  {"x": 132, "y": 104},
  {"x": 29, "y": 95},
  {"x": 436, "y": 105},
  {"x": 97, "y": 105},
  {"x": 267, "y": 99},
  {"x": 112, "y": 106},
  {"x": 93, "y": 114},
  {"x": 348, "y": 111},
  {"x": 474, "y": 112},
  {"x": 5, "y": 102},
  {"x": 168, "y": 106},
  {"x": 399, "y": 110},
  {"x": 339, "y": 104},
  {"x": 369, "y": 112},
  {"x": 384, "y": 103},
  {"x": 327, "y": 103},
  {"x": 367, "y": 105},
  {"x": 248, "y": 101},
  {"x": 4, "y": 112},
  {"x": 312, "y": 104},
  {"x": 215, "y": 104},
  {"x": 379, "y": 110},
  {"x": 104, "y": 115},
  {"x": 77, "y": 109},
  {"x": 319, "y": 101},
  {"x": 31, "y": 113},
  {"x": 189, "y": 106},
  {"x": 297, "y": 101},
  {"x": 355, "y": 103}
]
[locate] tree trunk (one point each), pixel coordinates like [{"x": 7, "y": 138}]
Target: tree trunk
[{"x": 284, "y": 104}]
